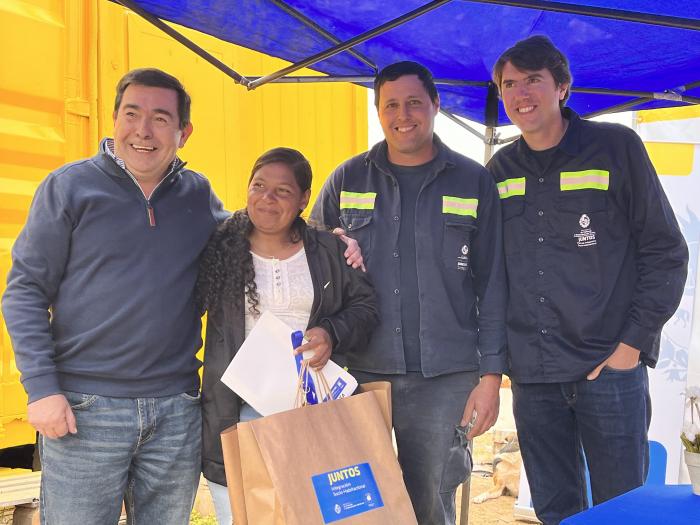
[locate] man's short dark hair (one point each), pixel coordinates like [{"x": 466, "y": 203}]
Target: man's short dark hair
[
  {"x": 532, "y": 54},
  {"x": 401, "y": 69},
  {"x": 152, "y": 77}
]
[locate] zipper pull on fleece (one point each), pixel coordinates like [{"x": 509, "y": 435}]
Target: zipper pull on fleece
[{"x": 151, "y": 215}]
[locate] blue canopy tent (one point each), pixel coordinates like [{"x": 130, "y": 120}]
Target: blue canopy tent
[
  {"x": 640, "y": 54},
  {"x": 625, "y": 54}
]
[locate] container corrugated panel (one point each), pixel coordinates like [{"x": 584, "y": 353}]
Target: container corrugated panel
[
  {"x": 39, "y": 87},
  {"x": 61, "y": 62}
]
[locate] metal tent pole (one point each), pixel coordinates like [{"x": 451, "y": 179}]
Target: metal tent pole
[
  {"x": 491, "y": 119},
  {"x": 363, "y": 79},
  {"x": 675, "y": 94},
  {"x": 618, "y": 107},
  {"x": 349, "y": 43},
  {"x": 129, "y": 4},
  {"x": 671, "y": 94},
  {"x": 318, "y": 29},
  {"x": 600, "y": 12},
  {"x": 464, "y": 125}
]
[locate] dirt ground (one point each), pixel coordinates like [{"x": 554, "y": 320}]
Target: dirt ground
[{"x": 492, "y": 512}]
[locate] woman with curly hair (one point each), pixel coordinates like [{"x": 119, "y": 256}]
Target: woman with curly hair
[{"x": 266, "y": 258}]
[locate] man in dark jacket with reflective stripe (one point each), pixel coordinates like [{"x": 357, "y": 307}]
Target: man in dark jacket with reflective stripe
[
  {"x": 428, "y": 222},
  {"x": 596, "y": 265}
]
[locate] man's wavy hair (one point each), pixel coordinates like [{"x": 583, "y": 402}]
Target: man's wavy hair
[
  {"x": 226, "y": 270},
  {"x": 532, "y": 54},
  {"x": 152, "y": 77}
]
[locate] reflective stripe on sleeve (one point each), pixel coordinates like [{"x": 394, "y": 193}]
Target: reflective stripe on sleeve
[
  {"x": 511, "y": 187},
  {"x": 357, "y": 201},
  {"x": 584, "y": 180},
  {"x": 459, "y": 206}
]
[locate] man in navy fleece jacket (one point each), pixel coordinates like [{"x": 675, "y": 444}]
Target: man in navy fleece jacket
[{"x": 99, "y": 306}]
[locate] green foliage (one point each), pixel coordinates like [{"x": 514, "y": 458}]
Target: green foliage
[{"x": 691, "y": 446}]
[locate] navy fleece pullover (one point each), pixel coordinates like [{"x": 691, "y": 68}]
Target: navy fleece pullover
[{"x": 100, "y": 295}]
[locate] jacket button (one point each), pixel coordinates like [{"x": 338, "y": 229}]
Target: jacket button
[
  {"x": 397, "y": 330},
  {"x": 544, "y": 331},
  {"x": 541, "y": 179},
  {"x": 541, "y": 299},
  {"x": 396, "y": 217},
  {"x": 396, "y": 292},
  {"x": 540, "y": 239},
  {"x": 540, "y": 213},
  {"x": 540, "y": 272},
  {"x": 396, "y": 254}
]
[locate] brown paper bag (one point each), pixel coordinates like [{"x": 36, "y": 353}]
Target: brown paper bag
[{"x": 279, "y": 466}]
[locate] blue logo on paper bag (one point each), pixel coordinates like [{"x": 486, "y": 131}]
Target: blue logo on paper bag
[{"x": 346, "y": 492}]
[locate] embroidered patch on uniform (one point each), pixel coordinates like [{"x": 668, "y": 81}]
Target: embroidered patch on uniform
[
  {"x": 463, "y": 259},
  {"x": 586, "y": 237}
]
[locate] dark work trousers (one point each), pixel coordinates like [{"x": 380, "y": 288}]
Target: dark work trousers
[
  {"x": 607, "y": 419},
  {"x": 434, "y": 458}
]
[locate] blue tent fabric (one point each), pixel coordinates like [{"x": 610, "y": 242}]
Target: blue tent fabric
[{"x": 462, "y": 39}]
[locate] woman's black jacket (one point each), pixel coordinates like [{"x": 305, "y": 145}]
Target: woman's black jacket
[{"x": 346, "y": 307}]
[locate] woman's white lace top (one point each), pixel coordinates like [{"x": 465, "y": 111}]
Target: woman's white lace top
[{"x": 285, "y": 288}]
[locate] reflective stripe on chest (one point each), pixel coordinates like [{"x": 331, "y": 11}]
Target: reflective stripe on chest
[
  {"x": 357, "y": 201},
  {"x": 511, "y": 187},
  {"x": 459, "y": 206},
  {"x": 584, "y": 180}
]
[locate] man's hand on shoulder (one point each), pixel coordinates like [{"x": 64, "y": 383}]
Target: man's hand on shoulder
[
  {"x": 484, "y": 400},
  {"x": 624, "y": 357},
  {"x": 353, "y": 254},
  {"x": 52, "y": 416}
]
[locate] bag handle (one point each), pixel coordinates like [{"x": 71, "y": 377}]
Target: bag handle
[
  {"x": 309, "y": 387},
  {"x": 307, "y": 393},
  {"x": 301, "y": 400}
]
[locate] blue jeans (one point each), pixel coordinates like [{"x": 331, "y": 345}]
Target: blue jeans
[
  {"x": 606, "y": 419},
  {"x": 434, "y": 457},
  {"x": 145, "y": 452},
  {"x": 219, "y": 493}
]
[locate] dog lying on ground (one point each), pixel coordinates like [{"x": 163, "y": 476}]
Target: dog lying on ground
[{"x": 506, "y": 472}]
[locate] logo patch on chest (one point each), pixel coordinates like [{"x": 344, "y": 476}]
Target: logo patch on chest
[
  {"x": 463, "y": 258},
  {"x": 586, "y": 237}
]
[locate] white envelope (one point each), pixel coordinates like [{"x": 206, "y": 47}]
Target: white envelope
[{"x": 264, "y": 373}]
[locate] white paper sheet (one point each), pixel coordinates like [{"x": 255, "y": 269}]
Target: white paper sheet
[{"x": 264, "y": 372}]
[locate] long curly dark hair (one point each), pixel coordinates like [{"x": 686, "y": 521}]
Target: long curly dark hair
[{"x": 226, "y": 270}]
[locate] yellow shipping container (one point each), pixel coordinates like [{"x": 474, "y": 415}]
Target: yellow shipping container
[{"x": 61, "y": 62}]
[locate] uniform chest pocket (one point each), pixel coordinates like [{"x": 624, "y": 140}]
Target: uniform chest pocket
[
  {"x": 457, "y": 244},
  {"x": 512, "y": 207},
  {"x": 576, "y": 206},
  {"x": 582, "y": 216},
  {"x": 359, "y": 227}
]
